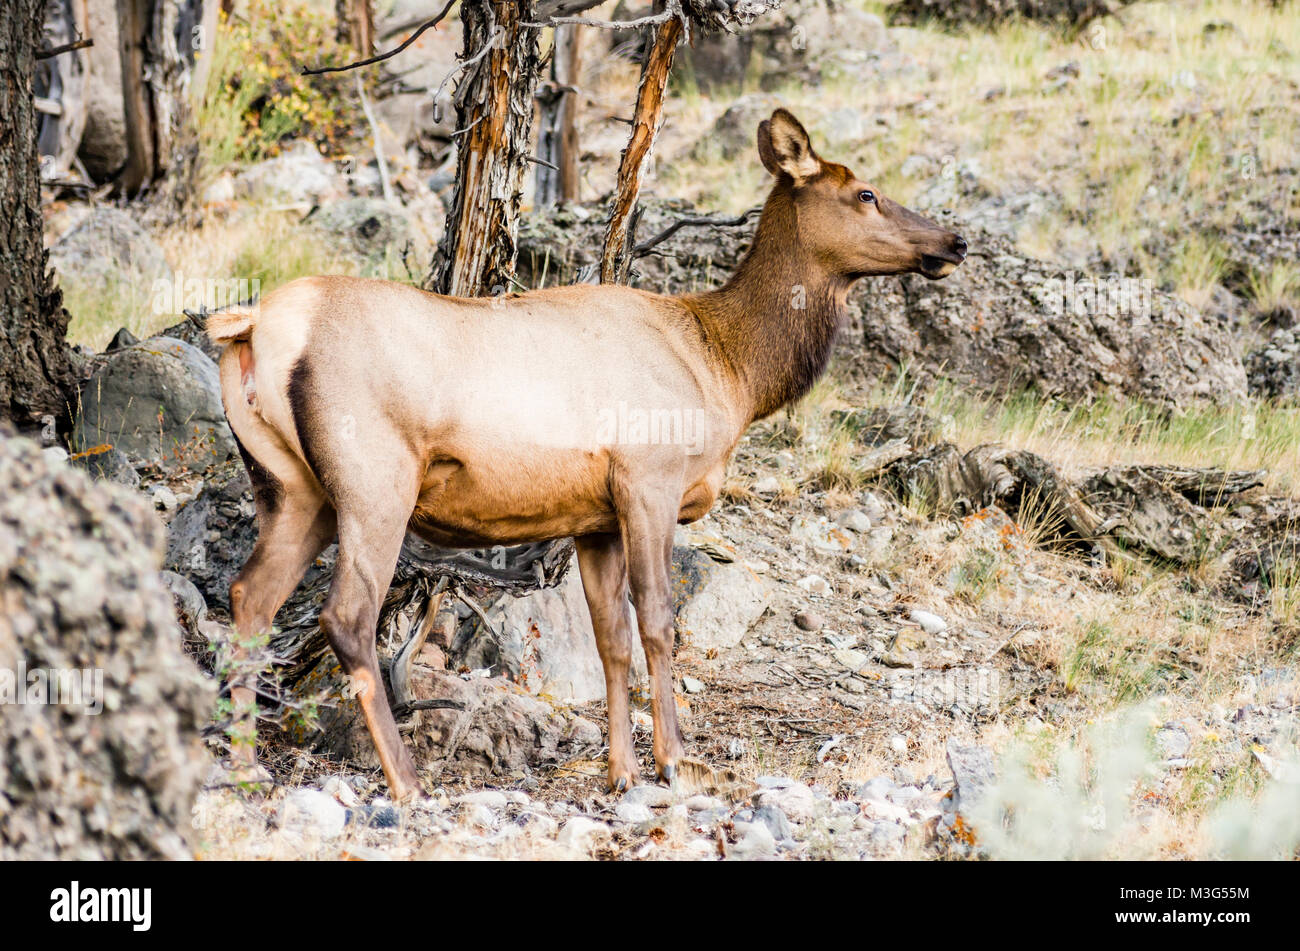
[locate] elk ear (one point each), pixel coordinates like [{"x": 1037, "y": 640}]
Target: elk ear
[{"x": 785, "y": 149}]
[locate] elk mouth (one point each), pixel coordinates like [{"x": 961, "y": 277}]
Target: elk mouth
[{"x": 935, "y": 266}]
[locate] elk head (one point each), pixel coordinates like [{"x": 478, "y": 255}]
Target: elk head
[{"x": 845, "y": 223}]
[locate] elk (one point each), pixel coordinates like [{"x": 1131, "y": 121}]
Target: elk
[{"x": 366, "y": 409}]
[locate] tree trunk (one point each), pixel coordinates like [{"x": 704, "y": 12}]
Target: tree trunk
[
  {"x": 356, "y": 25},
  {"x": 158, "y": 40},
  {"x": 36, "y": 378},
  {"x": 557, "y": 137},
  {"x": 61, "y": 87},
  {"x": 494, "y": 120},
  {"x": 616, "y": 260}
]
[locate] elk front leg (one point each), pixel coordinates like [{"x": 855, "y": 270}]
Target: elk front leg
[
  {"x": 604, "y": 581},
  {"x": 647, "y": 524},
  {"x": 369, "y": 544}
]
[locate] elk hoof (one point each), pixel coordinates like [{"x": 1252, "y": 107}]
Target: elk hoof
[
  {"x": 620, "y": 784},
  {"x": 669, "y": 773}
]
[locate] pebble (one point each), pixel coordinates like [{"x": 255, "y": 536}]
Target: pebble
[
  {"x": 855, "y": 521},
  {"x": 310, "y": 811},
  {"x": 754, "y": 840},
  {"x": 815, "y": 584},
  {"x": 655, "y": 797},
  {"x": 853, "y": 660},
  {"x": 580, "y": 833},
  {"x": 163, "y": 498},
  {"x": 691, "y": 685},
  {"x": 768, "y": 485},
  {"x": 809, "y": 621},
  {"x": 776, "y": 821},
  {"x": 488, "y": 798},
  {"x": 930, "y": 623},
  {"x": 632, "y": 812},
  {"x": 898, "y": 744},
  {"x": 340, "y": 790},
  {"x": 796, "y": 801}
]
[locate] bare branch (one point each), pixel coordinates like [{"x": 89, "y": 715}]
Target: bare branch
[
  {"x": 379, "y": 58},
  {"x": 65, "y": 48},
  {"x": 645, "y": 247},
  {"x": 460, "y": 67}
]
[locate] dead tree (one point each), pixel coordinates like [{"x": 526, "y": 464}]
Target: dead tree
[
  {"x": 36, "y": 378},
  {"x": 557, "y": 133},
  {"x": 161, "y": 78},
  {"x": 61, "y": 86},
  {"x": 494, "y": 124},
  {"x": 356, "y": 25}
]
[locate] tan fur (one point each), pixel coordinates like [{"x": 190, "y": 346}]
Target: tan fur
[{"x": 376, "y": 408}]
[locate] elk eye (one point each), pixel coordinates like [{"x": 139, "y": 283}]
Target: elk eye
[{"x": 866, "y": 196}]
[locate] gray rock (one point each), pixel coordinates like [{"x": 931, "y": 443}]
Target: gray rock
[
  {"x": 112, "y": 773},
  {"x": 1070, "y": 336},
  {"x": 754, "y": 841},
  {"x": 973, "y": 775},
  {"x": 930, "y": 623},
  {"x": 110, "y": 251},
  {"x": 310, "y": 812},
  {"x": 299, "y": 174},
  {"x": 649, "y": 795},
  {"x": 367, "y": 227},
  {"x": 544, "y": 640},
  {"x": 775, "y": 821},
  {"x": 632, "y": 812},
  {"x": 581, "y": 834},
  {"x": 716, "y": 604},
  {"x": 854, "y": 520},
  {"x": 1172, "y": 742},
  {"x": 158, "y": 401}
]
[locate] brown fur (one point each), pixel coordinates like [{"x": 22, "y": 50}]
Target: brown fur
[{"x": 381, "y": 409}]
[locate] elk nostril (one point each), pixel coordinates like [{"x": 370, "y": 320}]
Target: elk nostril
[{"x": 959, "y": 245}]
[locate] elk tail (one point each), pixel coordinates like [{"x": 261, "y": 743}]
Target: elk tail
[{"x": 228, "y": 325}]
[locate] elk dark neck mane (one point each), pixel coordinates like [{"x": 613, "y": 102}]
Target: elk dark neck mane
[{"x": 775, "y": 320}]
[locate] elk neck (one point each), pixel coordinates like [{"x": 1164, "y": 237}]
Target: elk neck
[{"x": 774, "y": 322}]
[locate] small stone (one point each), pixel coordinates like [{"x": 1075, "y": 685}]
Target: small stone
[
  {"x": 310, "y": 811},
  {"x": 855, "y": 521},
  {"x": 754, "y": 840},
  {"x": 488, "y": 798},
  {"x": 809, "y": 621},
  {"x": 768, "y": 485},
  {"x": 776, "y": 821},
  {"x": 479, "y": 817},
  {"x": 853, "y": 660},
  {"x": 164, "y": 498},
  {"x": 897, "y": 661},
  {"x": 341, "y": 791},
  {"x": 656, "y": 797},
  {"x": 580, "y": 833},
  {"x": 930, "y": 623},
  {"x": 691, "y": 685},
  {"x": 632, "y": 812},
  {"x": 796, "y": 801},
  {"x": 898, "y": 744},
  {"x": 815, "y": 584}
]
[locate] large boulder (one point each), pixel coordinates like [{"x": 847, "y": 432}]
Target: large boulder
[
  {"x": 109, "y": 250},
  {"x": 158, "y": 401},
  {"x": 1274, "y": 368},
  {"x": 110, "y": 770},
  {"x": 1004, "y": 321}
]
